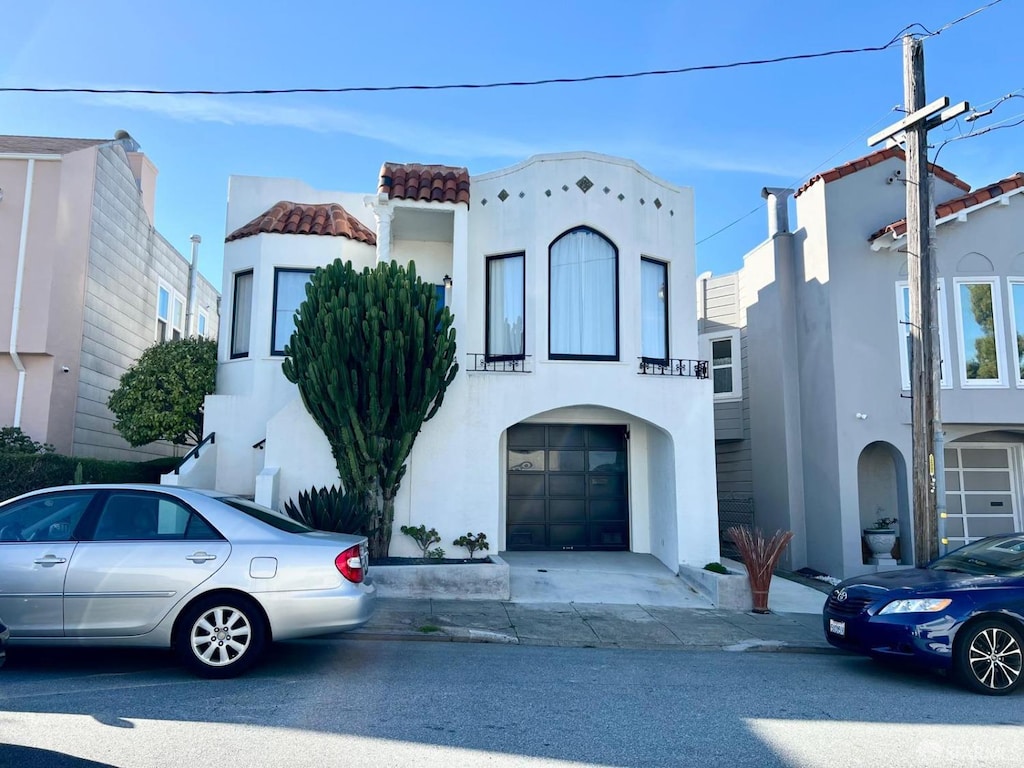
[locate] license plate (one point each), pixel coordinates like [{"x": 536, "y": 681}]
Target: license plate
[{"x": 837, "y": 627}]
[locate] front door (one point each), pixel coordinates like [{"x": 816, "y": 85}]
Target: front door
[{"x": 567, "y": 487}]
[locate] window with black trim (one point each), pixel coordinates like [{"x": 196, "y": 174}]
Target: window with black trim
[
  {"x": 241, "y": 314},
  {"x": 583, "y": 304},
  {"x": 289, "y": 293},
  {"x": 506, "y": 307},
  {"x": 653, "y": 309}
]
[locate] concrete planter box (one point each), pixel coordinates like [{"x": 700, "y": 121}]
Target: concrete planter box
[
  {"x": 465, "y": 581},
  {"x": 728, "y": 591}
]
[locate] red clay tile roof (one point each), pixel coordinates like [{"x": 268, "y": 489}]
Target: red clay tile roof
[
  {"x": 432, "y": 183},
  {"x": 288, "y": 218},
  {"x": 874, "y": 159},
  {"x": 948, "y": 208},
  {"x": 45, "y": 145}
]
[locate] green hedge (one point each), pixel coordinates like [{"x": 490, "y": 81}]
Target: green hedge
[{"x": 20, "y": 473}]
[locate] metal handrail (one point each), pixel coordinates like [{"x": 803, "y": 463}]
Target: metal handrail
[
  {"x": 694, "y": 369},
  {"x": 479, "y": 361},
  {"x": 194, "y": 453}
]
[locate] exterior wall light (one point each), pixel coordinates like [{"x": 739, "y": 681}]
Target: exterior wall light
[{"x": 447, "y": 281}]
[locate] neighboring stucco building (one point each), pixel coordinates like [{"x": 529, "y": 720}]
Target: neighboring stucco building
[
  {"x": 86, "y": 284},
  {"x": 820, "y": 433},
  {"x": 580, "y": 418}
]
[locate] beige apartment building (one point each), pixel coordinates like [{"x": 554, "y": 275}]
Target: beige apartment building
[{"x": 87, "y": 283}]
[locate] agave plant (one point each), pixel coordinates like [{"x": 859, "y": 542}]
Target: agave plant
[{"x": 330, "y": 509}]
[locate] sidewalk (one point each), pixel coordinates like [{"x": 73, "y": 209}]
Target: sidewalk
[
  {"x": 605, "y": 600},
  {"x": 592, "y": 625}
]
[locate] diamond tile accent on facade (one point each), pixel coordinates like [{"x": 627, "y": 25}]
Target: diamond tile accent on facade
[
  {"x": 657, "y": 203},
  {"x": 522, "y": 195},
  {"x": 606, "y": 190},
  {"x": 484, "y": 201},
  {"x": 503, "y": 195},
  {"x": 621, "y": 197},
  {"x": 642, "y": 201},
  {"x": 584, "y": 183},
  {"x": 565, "y": 187},
  {"x": 547, "y": 192},
  {"x": 671, "y": 213}
]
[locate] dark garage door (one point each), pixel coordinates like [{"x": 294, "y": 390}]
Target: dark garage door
[{"x": 567, "y": 487}]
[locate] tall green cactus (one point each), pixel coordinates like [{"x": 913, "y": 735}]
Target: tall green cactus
[{"x": 372, "y": 355}]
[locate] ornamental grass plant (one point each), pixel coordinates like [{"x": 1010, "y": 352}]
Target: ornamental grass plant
[{"x": 760, "y": 555}]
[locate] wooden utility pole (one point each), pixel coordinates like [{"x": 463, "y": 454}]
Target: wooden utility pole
[
  {"x": 925, "y": 373},
  {"x": 922, "y": 285}
]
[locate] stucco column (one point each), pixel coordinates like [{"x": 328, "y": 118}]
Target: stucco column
[{"x": 383, "y": 213}]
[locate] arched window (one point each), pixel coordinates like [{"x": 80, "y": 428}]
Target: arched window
[{"x": 584, "y": 297}]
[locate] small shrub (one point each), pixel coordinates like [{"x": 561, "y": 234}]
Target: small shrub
[
  {"x": 716, "y": 568},
  {"x": 21, "y": 473},
  {"x": 424, "y": 539},
  {"x": 329, "y": 509},
  {"x": 13, "y": 440},
  {"x": 472, "y": 543}
]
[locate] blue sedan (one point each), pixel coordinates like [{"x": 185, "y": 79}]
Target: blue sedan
[{"x": 962, "y": 613}]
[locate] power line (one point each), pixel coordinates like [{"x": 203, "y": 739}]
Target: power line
[
  {"x": 839, "y": 151},
  {"x": 465, "y": 86}
]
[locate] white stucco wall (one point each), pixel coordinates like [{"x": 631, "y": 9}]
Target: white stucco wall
[{"x": 455, "y": 478}]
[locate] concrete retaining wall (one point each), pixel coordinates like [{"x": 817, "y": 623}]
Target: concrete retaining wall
[{"x": 476, "y": 581}]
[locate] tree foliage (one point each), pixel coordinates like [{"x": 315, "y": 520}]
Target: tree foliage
[
  {"x": 13, "y": 440},
  {"x": 372, "y": 355},
  {"x": 985, "y": 364},
  {"x": 161, "y": 396}
]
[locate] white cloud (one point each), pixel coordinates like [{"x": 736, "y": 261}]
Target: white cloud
[{"x": 419, "y": 138}]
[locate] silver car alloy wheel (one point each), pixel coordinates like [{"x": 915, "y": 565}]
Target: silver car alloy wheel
[
  {"x": 995, "y": 658},
  {"x": 220, "y": 636}
]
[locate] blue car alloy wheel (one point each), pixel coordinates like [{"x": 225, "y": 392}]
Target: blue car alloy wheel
[{"x": 962, "y": 613}]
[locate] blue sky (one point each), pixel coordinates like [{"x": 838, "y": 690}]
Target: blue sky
[{"x": 726, "y": 134}]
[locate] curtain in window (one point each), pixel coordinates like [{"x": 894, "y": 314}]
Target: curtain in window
[
  {"x": 583, "y": 296},
  {"x": 241, "y": 315},
  {"x": 505, "y": 310},
  {"x": 653, "y": 309},
  {"x": 291, "y": 291}
]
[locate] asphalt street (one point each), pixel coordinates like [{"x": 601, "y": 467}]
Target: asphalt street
[{"x": 321, "y": 702}]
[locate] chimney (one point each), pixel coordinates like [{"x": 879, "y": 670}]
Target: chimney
[{"x": 778, "y": 209}]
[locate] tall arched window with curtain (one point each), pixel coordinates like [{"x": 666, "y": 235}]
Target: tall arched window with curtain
[{"x": 584, "y": 297}]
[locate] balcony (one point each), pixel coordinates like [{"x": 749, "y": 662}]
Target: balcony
[
  {"x": 478, "y": 361},
  {"x": 694, "y": 369}
]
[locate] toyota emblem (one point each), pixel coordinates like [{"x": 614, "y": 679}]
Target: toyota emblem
[{"x": 841, "y": 596}]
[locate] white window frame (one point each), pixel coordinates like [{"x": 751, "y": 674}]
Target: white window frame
[
  {"x": 903, "y": 323},
  {"x": 202, "y": 324},
  {"x": 997, "y": 328},
  {"x": 1010, "y": 282},
  {"x": 158, "y": 318},
  {"x": 177, "y": 318},
  {"x": 737, "y": 363}
]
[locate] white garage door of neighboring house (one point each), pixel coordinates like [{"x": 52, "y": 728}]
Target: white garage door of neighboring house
[{"x": 982, "y": 492}]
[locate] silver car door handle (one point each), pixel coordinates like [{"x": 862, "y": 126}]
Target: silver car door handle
[
  {"x": 201, "y": 557},
  {"x": 50, "y": 560}
]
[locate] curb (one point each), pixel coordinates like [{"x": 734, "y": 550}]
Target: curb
[{"x": 467, "y": 635}]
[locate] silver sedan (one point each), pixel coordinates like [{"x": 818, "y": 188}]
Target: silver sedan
[{"x": 215, "y": 577}]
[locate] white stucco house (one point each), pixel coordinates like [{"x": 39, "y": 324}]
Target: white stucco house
[
  {"x": 813, "y": 418},
  {"x": 581, "y": 417}
]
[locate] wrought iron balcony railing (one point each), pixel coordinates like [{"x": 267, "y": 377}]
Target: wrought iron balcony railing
[
  {"x": 695, "y": 369},
  {"x": 481, "y": 362}
]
